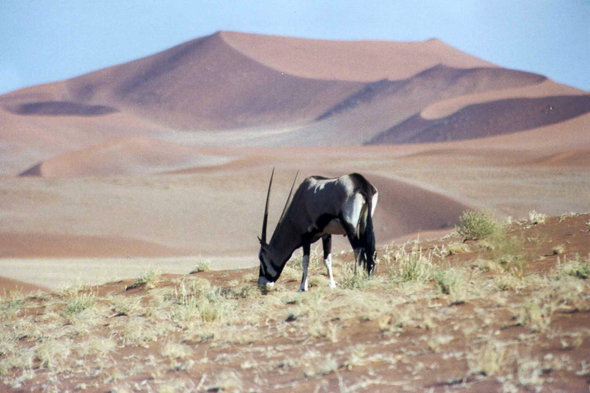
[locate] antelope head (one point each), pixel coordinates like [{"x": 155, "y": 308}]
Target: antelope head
[{"x": 269, "y": 269}]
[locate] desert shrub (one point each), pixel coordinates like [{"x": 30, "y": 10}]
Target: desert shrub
[
  {"x": 575, "y": 268},
  {"x": 505, "y": 282},
  {"x": 11, "y": 304},
  {"x": 475, "y": 225},
  {"x": 202, "y": 266}
]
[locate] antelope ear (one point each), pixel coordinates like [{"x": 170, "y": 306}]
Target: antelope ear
[{"x": 260, "y": 240}]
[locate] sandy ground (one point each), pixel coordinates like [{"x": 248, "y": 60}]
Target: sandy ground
[
  {"x": 54, "y": 273},
  {"x": 509, "y": 313}
]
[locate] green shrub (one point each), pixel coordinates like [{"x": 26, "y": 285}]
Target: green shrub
[
  {"x": 475, "y": 225},
  {"x": 202, "y": 266},
  {"x": 576, "y": 268}
]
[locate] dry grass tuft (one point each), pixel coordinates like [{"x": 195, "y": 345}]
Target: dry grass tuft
[
  {"x": 455, "y": 248},
  {"x": 537, "y": 218},
  {"x": 491, "y": 359},
  {"x": 147, "y": 279},
  {"x": 227, "y": 381},
  {"x": 534, "y": 315},
  {"x": 416, "y": 265},
  {"x": 559, "y": 249}
]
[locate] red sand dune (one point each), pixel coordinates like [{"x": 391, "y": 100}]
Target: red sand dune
[
  {"x": 447, "y": 107},
  {"x": 573, "y": 158},
  {"x": 379, "y": 105},
  {"x": 206, "y": 84},
  {"x": 126, "y": 156},
  {"x": 47, "y": 245},
  {"x": 8, "y": 285},
  {"x": 349, "y": 60},
  {"x": 488, "y": 119}
]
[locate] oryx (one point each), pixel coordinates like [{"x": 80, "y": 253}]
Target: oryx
[{"x": 320, "y": 208}]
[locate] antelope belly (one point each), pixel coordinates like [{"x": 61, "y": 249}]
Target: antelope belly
[{"x": 334, "y": 227}]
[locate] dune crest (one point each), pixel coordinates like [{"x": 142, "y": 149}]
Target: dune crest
[
  {"x": 364, "y": 61},
  {"x": 205, "y": 84}
]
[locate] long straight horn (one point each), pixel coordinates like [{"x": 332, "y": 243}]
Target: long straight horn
[
  {"x": 288, "y": 198},
  {"x": 265, "y": 220}
]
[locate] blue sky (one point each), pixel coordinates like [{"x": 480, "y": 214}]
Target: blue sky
[{"x": 49, "y": 40}]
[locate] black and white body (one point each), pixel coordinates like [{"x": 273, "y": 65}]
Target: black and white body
[{"x": 320, "y": 208}]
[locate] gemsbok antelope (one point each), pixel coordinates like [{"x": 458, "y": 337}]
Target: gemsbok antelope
[{"x": 320, "y": 208}]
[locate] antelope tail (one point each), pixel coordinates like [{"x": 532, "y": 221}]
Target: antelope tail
[{"x": 367, "y": 237}]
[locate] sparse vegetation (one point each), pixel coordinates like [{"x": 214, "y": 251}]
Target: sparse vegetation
[
  {"x": 575, "y": 268},
  {"x": 449, "y": 281},
  {"x": 147, "y": 279},
  {"x": 537, "y": 218},
  {"x": 490, "y": 359},
  {"x": 483, "y": 308},
  {"x": 416, "y": 265},
  {"x": 559, "y": 249},
  {"x": 202, "y": 266},
  {"x": 475, "y": 225}
]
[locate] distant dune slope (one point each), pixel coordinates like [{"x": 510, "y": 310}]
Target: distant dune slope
[
  {"x": 488, "y": 119},
  {"x": 126, "y": 156},
  {"x": 48, "y": 245},
  {"x": 206, "y": 84},
  {"x": 8, "y": 285},
  {"x": 60, "y": 108},
  {"x": 446, "y": 107},
  {"x": 381, "y": 105}
]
